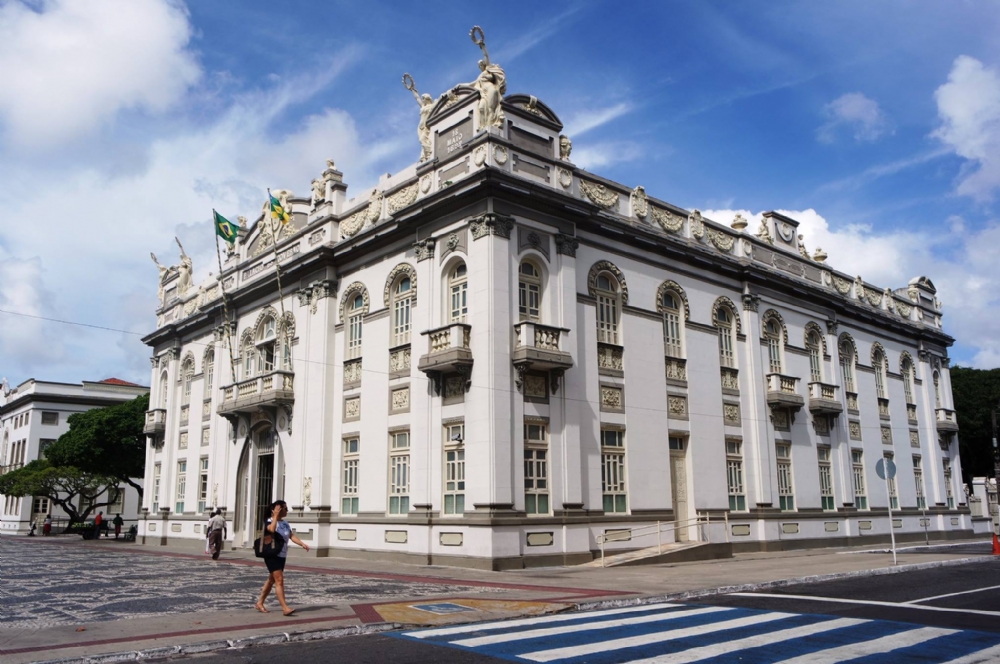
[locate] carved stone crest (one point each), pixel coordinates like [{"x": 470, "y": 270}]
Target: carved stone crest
[
  {"x": 697, "y": 224},
  {"x": 565, "y": 178},
  {"x": 500, "y": 154},
  {"x": 479, "y": 155},
  {"x": 425, "y": 184},
  {"x": 640, "y": 204}
]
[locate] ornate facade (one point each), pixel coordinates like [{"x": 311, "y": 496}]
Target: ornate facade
[{"x": 554, "y": 356}]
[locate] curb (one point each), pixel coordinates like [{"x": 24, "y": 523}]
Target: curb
[
  {"x": 780, "y": 583},
  {"x": 225, "y": 644}
]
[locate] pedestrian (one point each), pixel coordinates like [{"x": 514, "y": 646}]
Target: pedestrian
[
  {"x": 47, "y": 525},
  {"x": 98, "y": 520},
  {"x": 217, "y": 533},
  {"x": 276, "y": 565},
  {"x": 119, "y": 522}
]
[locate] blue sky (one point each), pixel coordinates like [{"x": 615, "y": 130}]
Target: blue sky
[{"x": 123, "y": 123}]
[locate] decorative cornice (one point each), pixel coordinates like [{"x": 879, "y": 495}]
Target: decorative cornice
[{"x": 491, "y": 223}]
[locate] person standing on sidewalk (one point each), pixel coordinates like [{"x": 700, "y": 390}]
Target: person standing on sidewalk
[
  {"x": 98, "y": 520},
  {"x": 47, "y": 525},
  {"x": 217, "y": 533},
  {"x": 118, "y": 521},
  {"x": 276, "y": 565}
]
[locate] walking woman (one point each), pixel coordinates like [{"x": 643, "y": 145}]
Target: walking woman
[{"x": 276, "y": 565}]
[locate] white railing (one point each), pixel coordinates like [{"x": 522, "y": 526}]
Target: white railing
[
  {"x": 660, "y": 527},
  {"x": 252, "y": 387},
  {"x": 823, "y": 391},
  {"x": 451, "y": 336},
  {"x": 156, "y": 416},
  {"x": 781, "y": 383},
  {"x": 528, "y": 333}
]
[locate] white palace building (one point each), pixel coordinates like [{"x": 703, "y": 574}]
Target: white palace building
[{"x": 497, "y": 359}]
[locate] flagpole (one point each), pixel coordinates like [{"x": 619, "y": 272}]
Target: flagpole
[
  {"x": 277, "y": 272},
  {"x": 225, "y": 306}
]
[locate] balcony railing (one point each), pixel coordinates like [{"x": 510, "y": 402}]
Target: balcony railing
[
  {"x": 270, "y": 389},
  {"x": 540, "y": 346},
  {"x": 823, "y": 398},
  {"x": 156, "y": 421},
  {"x": 783, "y": 391},
  {"x": 946, "y": 421},
  {"x": 449, "y": 352}
]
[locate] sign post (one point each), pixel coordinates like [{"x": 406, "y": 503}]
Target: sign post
[{"x": 886, "y": 470}]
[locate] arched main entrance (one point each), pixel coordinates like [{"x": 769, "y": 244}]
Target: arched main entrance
[{"x": 256, "y": 485}]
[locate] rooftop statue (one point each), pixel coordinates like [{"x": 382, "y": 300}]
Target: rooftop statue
[
  {"x": 185, "y": 269},
  {"x": 491, "y": 84},
  {"x": 426, "y": 103}
]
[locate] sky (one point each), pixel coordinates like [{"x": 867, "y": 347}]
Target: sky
[{"x": 124, "y": 123}]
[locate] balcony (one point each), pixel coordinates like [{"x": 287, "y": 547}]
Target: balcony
[
  {"x": 782, "y": 392},
  {"x": 823, "y": 399},
  {"x": 269, "y": 390},
  {"x": 946, "y": 422},
  {"x": 539, "y": 346},
  {"x": 449, "y": 353},
  {"x": 156, "y": 421}
]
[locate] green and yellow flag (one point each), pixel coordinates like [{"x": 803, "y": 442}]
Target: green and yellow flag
[
  {"x": 278, "y": 211},
  {"x": 224, "y": 228}
]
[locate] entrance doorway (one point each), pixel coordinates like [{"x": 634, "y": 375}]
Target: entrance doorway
[
  {"x": 679, "y": 486},
  {"x": 255, "y": 488}
]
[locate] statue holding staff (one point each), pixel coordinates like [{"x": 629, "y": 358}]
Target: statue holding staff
[
  {"x": 185, "y": 269},
  {"x": 491, "y": 84},
  {"x": 426, "y": 103}
]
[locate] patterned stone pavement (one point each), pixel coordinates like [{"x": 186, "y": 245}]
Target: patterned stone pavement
[{"x": 49, "y": 584}]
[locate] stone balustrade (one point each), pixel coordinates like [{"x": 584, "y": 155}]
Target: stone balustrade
[{"x": 823, "y": 398}]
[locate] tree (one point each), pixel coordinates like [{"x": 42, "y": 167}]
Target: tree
[
  {"x": 63, "y": 485},
  {"x": 105, "y": 441},
  {"x": 977, "y": 394}
]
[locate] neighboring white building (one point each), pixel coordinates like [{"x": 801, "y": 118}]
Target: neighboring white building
[
  {"x": 34, "y": 415},
  {"x": 494, "y": 357}
]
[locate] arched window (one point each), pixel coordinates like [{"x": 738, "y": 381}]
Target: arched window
[
  {"x": 402, "y": 305},
  {"x": 772, "y": 335},
  {"x": 355, "y": 315},
  {"x": 187, "y": 375},
  {"x": 267, "y": 339},
  {"x": 529, "y": 290},
  {"x": 209, "y": 371},
  {"x": 724, "y": 319},
  {"x": 847, "y": 365},
  {"x": 673, "y": 339},
  {"x": 163, "y": 389},
  {"x": 937, "y": 390},
  {"x": 907, "y": 369},
  {"x": 458, "y": 291},
  {"x": 878, "y": 362},
  {"x": 814, "y": 346},
  {"x": 608, "y": 295},
  {"x": 249, "y": 353}
]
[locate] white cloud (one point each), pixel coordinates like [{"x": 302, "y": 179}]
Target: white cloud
[
  {"x": 600, "y": 155},
  {"x": 961, "y": 264},
  {"x": 856, "y": 113},
  {"x": 72, "y": 66},
  {"x": 969, "y": 108},
  {"x": 586, "y": 121}
]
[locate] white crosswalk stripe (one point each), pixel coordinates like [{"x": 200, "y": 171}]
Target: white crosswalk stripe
[{"x": 686, "y": 633}]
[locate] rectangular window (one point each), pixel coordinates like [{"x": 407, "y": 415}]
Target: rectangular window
[
  {"x": 815, "y": 366},
  {"x": 354, "y": 337},
  {"x": 202, "y": 484},
  {"x": 847, "y": 370},
  {"x": 879, "y": 381},
  {"x": 726, "y": 357},
  {"x": 676, "y": 444},
  {"x": 672, "y": 334},
  {"x": 536, "y": 469},
  {"x": 349, "y": 488},
  {"x": 459, "y": 302},
  {"x": 858, "y": 468},
  {"x": 734, "y": 476},
  {"x": 50, "y": 417},
  {"x": 209, "y": 375},
  {"x": 786, "y": 494},
  {"x": 774, "y": 354},
  {"x": 40, "y": 505},
  {"x": 454, "y": 469},
  {"x": 918, "y": 480},
  {"x": 399, "y": 472},
  {"x": 825, "y": 479},
  {"x": 613, "y": 484},
  {"x": 156, "y": 488},
  {"x": 182, "y": 468},
  {"x": 401, "y": 321},
  {"x": 116, "y": 500},
  {"x": 529, "y": 296},
  {"x": 950, "y": 492},
  {"x": 893, "y": 495},
  {"x": 607, "y": 319}
]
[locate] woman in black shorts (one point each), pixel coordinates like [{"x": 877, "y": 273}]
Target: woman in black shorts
[{"x": 276, "y": 565}]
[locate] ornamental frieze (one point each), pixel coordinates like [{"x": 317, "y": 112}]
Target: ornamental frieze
[
  {"x": 600, "y": 195},
  {"x": 402, "y": 198},
  {"x": 668, "y": 220},
  {"x": 721, "y": 241}
]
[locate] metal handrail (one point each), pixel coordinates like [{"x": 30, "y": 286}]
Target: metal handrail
[{"x": 659, "y": 529}]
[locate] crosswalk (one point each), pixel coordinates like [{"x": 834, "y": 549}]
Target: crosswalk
[{"x": 682, "y": 633}]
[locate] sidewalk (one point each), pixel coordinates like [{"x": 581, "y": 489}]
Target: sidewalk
[{"x": 390, "y": 594}]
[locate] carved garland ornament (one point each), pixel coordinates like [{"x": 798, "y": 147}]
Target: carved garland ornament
[
  {"x": 841, "y": 285},
  {"x": 814, "y": 327},
  {"x": 366, "y": 216},
  {"x": 607, "y": 266},
  {"x": 723, "y": 301},
  {"x": 668, "y": 220},
  {"x": 721, "y": 241},
  {"x": 402, "y": 198},
  {"x": 356, "y": 288},
  {"x": 772, "y": 313},
  {"x": 845, "y": 337},
  {"x": 670, "y": 286},
  {"x": 903, "y": 309},
  {"x": 599, "y": 195},
  {"x": 390, "y": 281}
]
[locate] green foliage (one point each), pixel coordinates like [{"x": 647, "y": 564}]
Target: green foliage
[
  {"x": 63, "y": 485},
  {"x": 977, "y": 394},
  {"x": 105, "y": 441}
]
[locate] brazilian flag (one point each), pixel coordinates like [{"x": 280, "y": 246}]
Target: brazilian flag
[
  {"x": 224, "y": 228},
  {"x": 278, "y": 211}
]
